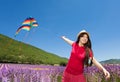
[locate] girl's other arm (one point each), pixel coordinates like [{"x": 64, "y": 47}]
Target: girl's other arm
[{"x": 106, "y": 73}]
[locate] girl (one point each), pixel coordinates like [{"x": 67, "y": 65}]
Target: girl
[{"x": 81, "y": 55}]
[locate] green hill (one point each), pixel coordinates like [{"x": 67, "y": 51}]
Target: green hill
[
  {"x": 111, "y": 61},
  {"x": 12, "y": 51}
]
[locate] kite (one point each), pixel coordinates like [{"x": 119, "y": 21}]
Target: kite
[{"x": 27, "y": 25}]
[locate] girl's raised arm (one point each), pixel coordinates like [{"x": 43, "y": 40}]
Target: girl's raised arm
[{"x": 67, "y": 40}]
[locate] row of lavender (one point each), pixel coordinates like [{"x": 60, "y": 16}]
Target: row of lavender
[
  {"x": 29, "y": 73},
  {"x": 43, "y": 73}
]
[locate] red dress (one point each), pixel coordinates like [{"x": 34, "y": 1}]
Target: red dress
[{"x": 75, "y": 66}]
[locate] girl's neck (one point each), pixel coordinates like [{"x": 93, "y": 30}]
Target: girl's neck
[{"x": 80, "y": 44}]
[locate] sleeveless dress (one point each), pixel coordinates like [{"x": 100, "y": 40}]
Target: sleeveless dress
[{"x": 75, "y": 67}]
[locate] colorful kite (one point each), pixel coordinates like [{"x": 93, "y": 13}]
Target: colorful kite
[{"x": 27, "y": 25}]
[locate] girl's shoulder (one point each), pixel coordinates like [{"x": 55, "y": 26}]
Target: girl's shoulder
[{"x": 74, "y": 43}]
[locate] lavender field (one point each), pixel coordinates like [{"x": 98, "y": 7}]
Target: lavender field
[
  {"x": 95, "y": 75},
  {"x": 47, "y": 73}
]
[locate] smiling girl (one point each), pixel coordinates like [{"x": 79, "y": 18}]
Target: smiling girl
[{"x": 81, "y": 54}]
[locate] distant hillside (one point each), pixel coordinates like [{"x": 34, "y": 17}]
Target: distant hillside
[
  {"x": 12, "y": 51},
  {"x": 111, "y": 61}
]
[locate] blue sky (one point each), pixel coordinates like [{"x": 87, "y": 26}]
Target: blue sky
[{"x": 101, "y": 18}]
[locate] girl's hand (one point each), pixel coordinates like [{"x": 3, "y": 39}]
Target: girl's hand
[
  {"x": 67, "y": 40},
  {"x": 62, "y": 36},
  {"x": 106, "y": 73}
]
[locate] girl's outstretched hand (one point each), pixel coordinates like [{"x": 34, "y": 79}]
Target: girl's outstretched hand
[
  {"x": 67, "y": 40},
  {"x": 62, "y": 36}
]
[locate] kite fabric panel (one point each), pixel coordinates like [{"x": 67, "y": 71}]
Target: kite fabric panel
[{"x": 27, "y": 25}]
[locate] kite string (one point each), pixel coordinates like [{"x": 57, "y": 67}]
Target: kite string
[
  {"x": 20, "y": 45},
  {"x": 26, "y": 35},
  {"x": 30, "y": 37}
]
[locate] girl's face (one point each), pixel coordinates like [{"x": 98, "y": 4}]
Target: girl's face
[{"x": 83, "y": 40}]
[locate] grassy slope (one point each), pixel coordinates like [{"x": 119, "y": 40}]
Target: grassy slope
[{"x": 17, "y": 52}]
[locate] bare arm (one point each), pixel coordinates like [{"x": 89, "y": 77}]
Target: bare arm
[
  {"x": 106, "y": 73},
  {"x": 95, "y": 62},
  {"x": 67, "y": 40}
]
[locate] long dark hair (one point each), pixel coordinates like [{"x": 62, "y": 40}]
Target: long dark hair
[{"x": 87, "y": 49}]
